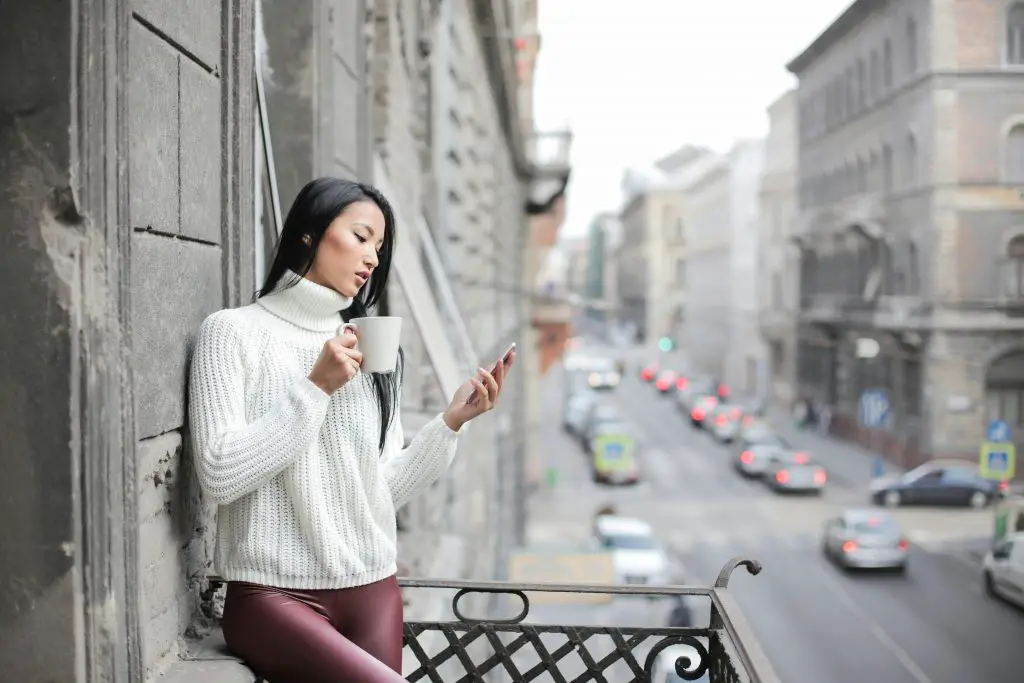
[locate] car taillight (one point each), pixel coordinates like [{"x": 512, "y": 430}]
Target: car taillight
[
  {"x": 681, "y": 383},
  {"x": 849, "y": 547},
  {"x": 697, "y": 414},
  {"x": 735, "y": 413},
  {"x": 1003, "y": 486},
  {"x": 646, "y": 374},
  {"x": 820, "y": 477},
  {"x": 662, "y": 384},
  {"x": 723, "y": 390},
  {"x": 746, "y": 457},
  {"x": 721, "y": 420},
  {"x": 782, "y": 477},
  {"x": 904, "y": 544}
]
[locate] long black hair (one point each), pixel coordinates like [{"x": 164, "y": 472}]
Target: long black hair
[{"x": 314, "y": 209}]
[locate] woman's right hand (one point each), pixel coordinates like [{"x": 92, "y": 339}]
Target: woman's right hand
[{"x": 338, "y": 363}]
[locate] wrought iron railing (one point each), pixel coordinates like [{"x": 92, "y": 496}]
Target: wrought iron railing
[{"x": 515, "y": 649}]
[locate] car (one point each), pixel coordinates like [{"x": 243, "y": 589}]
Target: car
[
  {"x": 576, "y": 411},
  {"x": 1003, "y": 570},
  {"x": 724, "y": 421},
  {"x": 596, "y": 416},
  {"x": 637, "y": 556},
  {"x": 865, "y": 539},
  {"x": 938, "y": 482},
  {"x": 666, "y": 381},
  {"x": 665, "y": 664},
  {"x": 648, "y": 372},
  {"x": 788, "y": 470},
  {"x": 612, "y": 453},
  {"x": 753, "y": 458}
]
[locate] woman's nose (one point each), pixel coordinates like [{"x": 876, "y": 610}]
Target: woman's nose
[{"x": 372, "y": 260}]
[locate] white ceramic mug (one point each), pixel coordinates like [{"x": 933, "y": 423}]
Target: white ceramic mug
[{"x": 379, "y": 337}]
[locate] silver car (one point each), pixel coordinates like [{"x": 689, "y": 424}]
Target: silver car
[
  {"x": 789, "y": 470},
  {"x": 753, "y": 458},
  {"x": 865, "y": 539}
]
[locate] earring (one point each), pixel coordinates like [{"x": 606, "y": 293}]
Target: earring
[{"x": 307, "y": 240}]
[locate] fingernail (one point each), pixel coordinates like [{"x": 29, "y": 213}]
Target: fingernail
[{"x": 481, "y": 371}]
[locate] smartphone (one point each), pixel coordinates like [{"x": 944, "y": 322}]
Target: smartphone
[{"x": 505, "y": 358}]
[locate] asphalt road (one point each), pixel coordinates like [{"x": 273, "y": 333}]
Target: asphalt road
[{"x": 815, "y": 622}]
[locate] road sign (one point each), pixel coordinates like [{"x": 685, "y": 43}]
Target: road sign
[
  {"x": 874, "y": 408},
  {"x": 997, "y": 461},
  {"x": 998, "y": 432}
]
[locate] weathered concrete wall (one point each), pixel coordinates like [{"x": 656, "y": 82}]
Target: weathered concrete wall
[
  {"x": 175, "y": 119},
  {"x": 37, "y": 554}
]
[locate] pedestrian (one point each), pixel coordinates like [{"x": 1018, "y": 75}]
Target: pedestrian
[{"x": 303, "y": 453}]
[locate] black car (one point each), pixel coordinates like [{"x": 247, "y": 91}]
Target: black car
[{"x": 937, "y": 483}]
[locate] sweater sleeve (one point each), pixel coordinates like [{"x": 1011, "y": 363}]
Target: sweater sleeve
[
  {"x": 410, "y": 470},
  {"x": 234, "y": 457}
]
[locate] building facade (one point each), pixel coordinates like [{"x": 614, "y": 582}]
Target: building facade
[
  {"x": 746, "y": 364},
  {"x": 911, "y": 157},
  {"x": 778, "y": 263},
  {"x": 707, "y": 221},
  {"x": 161, "y": 206}
]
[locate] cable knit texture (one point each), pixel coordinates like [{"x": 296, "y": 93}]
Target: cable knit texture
[{"x": 307, "y": 500}]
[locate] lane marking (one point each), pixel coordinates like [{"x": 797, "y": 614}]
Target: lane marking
[{"x": 876, "y": 630}]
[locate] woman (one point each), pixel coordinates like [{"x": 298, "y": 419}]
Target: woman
[{"x": 303, "y": 453}]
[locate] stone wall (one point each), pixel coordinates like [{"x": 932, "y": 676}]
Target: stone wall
[{"x": 189, "y": 257}]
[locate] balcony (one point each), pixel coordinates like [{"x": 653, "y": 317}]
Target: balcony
[
  {"x": 549, "y": 155},
  {"x": 515, "y": 647}
]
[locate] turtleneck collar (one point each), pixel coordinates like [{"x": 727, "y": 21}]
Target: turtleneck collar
[{"x": 305, "y": 303}]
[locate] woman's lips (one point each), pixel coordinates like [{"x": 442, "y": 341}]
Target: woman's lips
[{"x": 364, "y": 276}]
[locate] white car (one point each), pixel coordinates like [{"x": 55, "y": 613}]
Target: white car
[
  {"x": 637, "y": 556},
  {"x": 577, "y": 409},
  {"x": 1004, "y": 570}
]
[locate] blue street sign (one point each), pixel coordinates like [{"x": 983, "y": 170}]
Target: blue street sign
[
  {"x": 998, "y": 432},
  {"x": 997, "y": 461},
  {"x": 874, "y": 408}
]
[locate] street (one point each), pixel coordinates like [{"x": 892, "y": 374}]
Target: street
[{"x": 817, "y": 623}]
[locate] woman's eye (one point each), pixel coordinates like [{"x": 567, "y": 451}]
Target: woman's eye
[{"x": 360, "y": 238}]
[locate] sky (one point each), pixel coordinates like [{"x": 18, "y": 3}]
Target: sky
[{"x": 637, "y": 79}]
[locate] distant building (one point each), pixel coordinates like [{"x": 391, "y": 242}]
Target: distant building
[{"x": 911, "y": 158}]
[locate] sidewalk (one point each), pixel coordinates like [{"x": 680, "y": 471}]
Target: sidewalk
[{"x": 848, "y": 463}]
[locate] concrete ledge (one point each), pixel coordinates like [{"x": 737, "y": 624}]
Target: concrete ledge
[
  {"x": 212, "y": 671},
  {"x": 208, "y": 660}
]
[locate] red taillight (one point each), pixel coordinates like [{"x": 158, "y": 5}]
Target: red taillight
[
  {"x": 820, "y": 477},
  {"x": 735, "y": 413},
  {"x": 721, "y": 420},
  {"x": 746, "y": 457},
  {"x": 1003, "y": 486},
  {"x": 663, "y": 385},
  {"x": 782, "y": 477},
  {"x": 681, "y": 383},
  {"x": 646, "y": 374},
  {"x": 723, "y": 390},
  {"x": 849, "y": 547},
  {"x": 697, "y": 414},
  {"x": 800, "y": 458},
  {"x": 903, "y": 544}
]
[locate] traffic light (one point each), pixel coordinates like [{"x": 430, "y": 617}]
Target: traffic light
[{"x": 665, "y": 344}]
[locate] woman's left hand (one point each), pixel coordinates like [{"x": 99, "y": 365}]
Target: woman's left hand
[{"x": 477, "y": 396}]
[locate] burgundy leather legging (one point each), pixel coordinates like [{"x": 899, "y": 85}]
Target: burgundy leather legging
[{"x": 350, "y": 635}]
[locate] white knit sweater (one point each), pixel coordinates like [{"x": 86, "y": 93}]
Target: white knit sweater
[{"x": 307, "y": 500}]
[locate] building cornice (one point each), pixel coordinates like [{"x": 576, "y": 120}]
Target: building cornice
[{"x": 836, "y": 31}]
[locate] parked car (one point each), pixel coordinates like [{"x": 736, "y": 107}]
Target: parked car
[
  {"x": 865, "y": 539},
  {"x": 939, "y": 482},
  {"x": 1003, "y": 571}
]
